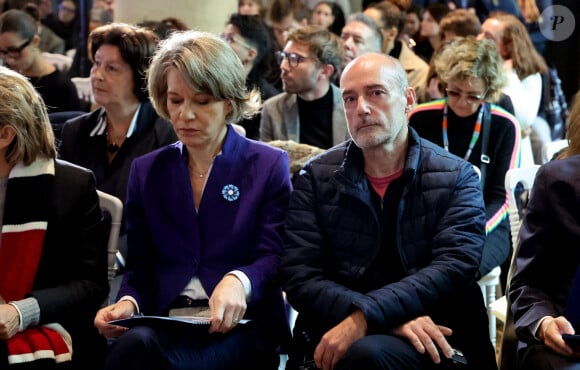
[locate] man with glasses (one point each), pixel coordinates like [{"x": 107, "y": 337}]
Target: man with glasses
[
  {"x": 310, "y": 110},
  {"x": 249, "y": 38}
]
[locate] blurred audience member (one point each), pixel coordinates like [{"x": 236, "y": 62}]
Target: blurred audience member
[
  {"x": 412, "y": 29},
  {"x": 328, "y": 15},
  {"x": 284, "y": 16},
  {"x": 390, "y": 20},
  {"x": 167, "y": 26},
  {"x": 523, "y": 67},
  {"x": 66, "y": 23},
  {"x": 50, "y": 42},
  {"x": 248, "y": 37},
  {"x": 252, "y": 7},
  {"x": 19, "y": 49},
  {"x": 430, "y": 31},
  {"x": 360, "y": 35}
]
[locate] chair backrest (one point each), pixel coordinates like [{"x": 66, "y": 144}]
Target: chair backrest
[
  {"x": 84, "y": 89},
  {"x": 526, "y": 177},
  {"x": 114, "y": 207},
  {"x": 60, "y": 61},
  {"x": 513, "y": 177},
  {"x": 551, "y": 148},
  {"x": 57, "y": 120}
]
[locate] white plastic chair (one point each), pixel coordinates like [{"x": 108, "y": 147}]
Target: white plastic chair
[
  {"x": 114, "y": 207},
  {"x": 513, "y": 177},
  {"x": 551, "y": 148},
  {"x": 60, "y": 61},
  {"x": 488, "y": 285},
  {"x": 84, "y": 89},
  {"x": 500, "y": 309}
]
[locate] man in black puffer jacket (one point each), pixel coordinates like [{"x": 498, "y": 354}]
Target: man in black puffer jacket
[{"x": 384, "y": 237}]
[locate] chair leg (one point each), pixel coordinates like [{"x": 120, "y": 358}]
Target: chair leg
[{"x": 490, "y": 298}]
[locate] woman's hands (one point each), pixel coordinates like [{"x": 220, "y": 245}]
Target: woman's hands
[
  {"x": 9, "y": 321},
  {"x": 119, "y": 310},
  {"x": 227, "y": 304}
]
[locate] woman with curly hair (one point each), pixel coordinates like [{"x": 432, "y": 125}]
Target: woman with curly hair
[{"x": 471, "y": 72}]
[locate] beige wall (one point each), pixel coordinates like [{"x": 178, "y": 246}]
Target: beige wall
[{"x": 203, "y": 15}]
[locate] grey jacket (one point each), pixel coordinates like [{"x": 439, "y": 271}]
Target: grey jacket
[{"x": 280, "y": 119}]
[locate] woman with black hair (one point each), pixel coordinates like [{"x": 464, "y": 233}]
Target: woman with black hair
[{"x": 248, "y": 36}]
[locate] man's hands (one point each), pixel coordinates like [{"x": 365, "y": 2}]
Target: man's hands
[
  {"x": 550, "y": 332},
  {"x": 422, "y": 332},
  {"x": 9, "y": 321},
  {"x": 227, "y": 304},
  {"x": 338, "y": 340},
  {"x": 425, "y": 336}
]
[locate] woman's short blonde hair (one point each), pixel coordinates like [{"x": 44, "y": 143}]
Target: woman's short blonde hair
[
  {"x": 209, "y": 66},
  {"x": 23, "y": 109},
  {"x": 465, "y": 57}
]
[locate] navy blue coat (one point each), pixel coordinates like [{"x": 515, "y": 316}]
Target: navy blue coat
[{"x": 333, "y": 236}]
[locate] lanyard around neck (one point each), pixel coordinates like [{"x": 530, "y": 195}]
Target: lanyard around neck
[{"x": 474, "y": 137}]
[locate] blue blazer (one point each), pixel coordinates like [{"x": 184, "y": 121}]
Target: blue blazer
[{"x": 238, "y": 225}]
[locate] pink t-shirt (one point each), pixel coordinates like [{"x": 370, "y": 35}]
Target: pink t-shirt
[{"x": 380, "y": 184}]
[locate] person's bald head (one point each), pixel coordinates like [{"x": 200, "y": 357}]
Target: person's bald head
[
  {"x": 382, "y": 63},
  {"x": 376, "y": 99}
]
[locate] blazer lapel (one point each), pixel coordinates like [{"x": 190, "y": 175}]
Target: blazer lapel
[{"x": 291, "y": 118}]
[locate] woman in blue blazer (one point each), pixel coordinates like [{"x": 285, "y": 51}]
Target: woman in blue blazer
[{"x": 204, "y": 219}]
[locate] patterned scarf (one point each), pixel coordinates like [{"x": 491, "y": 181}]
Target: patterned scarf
[{"x": 26, "y": 212}]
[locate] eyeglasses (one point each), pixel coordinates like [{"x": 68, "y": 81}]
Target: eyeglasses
[
  {"x": 230, "y": 39},
  {"x": 66, "y": 9},
  {"x": 14, "y": 52},
  {"x": 469, "y": 98},
  {"x": 292, "y": 58}
]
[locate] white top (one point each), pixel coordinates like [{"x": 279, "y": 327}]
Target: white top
[{"x": 525, "y": 95}]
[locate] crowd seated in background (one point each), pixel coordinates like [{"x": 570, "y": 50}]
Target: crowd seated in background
[{"x": 19, "y": 49}]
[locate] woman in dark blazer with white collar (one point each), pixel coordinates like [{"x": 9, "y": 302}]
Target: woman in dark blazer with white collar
[{"x": 204, "y": 219}]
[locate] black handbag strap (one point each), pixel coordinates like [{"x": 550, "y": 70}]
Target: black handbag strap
[{"x": 485, "y": 141}]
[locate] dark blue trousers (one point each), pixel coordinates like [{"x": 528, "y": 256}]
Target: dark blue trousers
[
  {"x": 164, "y": 348},
  {"x": 387, "y": 352}
]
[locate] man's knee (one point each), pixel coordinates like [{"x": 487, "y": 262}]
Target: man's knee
[
  {"x": 380, "y": 352},
  {"x": 540, "y": 357}
]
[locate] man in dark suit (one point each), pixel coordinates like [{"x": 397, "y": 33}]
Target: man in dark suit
[{"x": 546, "y": 266}]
